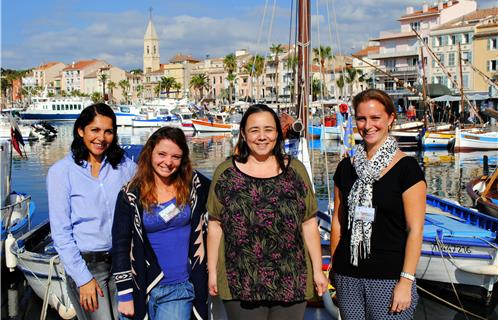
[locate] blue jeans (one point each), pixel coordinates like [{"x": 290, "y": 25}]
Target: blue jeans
[
  {"x": 108, "y": 306},
  {"x": 171, "y": 301}
]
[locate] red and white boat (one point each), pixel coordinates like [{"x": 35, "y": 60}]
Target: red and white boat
[{"x": 211, "y": 126}]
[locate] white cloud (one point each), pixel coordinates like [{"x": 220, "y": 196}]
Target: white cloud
[{"x": 118, "y": 37}]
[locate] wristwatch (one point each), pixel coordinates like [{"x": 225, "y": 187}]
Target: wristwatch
[{"x": 407, "y": 275}]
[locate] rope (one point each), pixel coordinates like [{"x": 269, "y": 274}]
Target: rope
[
  {"x": 450, "y": 304},
  {"x": 439, "y": 243},
  {"x": 43, "y": 314}
]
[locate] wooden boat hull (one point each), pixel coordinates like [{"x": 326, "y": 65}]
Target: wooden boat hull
[
  {"x": 437, "y": 140},
  {"x": 471, "y": 141},
  {"x": 474, "y": 188}
]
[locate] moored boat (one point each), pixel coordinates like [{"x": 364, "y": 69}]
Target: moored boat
[
  {"x": 470, "y": 141},
  {"x": 44, "y": 108},
  {"x": 40, "y": 264},
  {"x": 459, "y": 249},
  {"x": 16, "y": 208},
  {"x": 484, "y": 193}
]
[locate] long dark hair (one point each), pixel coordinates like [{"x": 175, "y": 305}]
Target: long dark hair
[
  {"x": 144, "y": 177},
  {"x": 114, "y": 153},
  {"x": 242, "y": 149}
]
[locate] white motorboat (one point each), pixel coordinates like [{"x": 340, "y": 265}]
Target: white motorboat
[{"x": 45, "y": 108}]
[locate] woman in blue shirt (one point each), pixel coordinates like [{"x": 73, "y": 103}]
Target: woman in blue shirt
[
  {"x": 82, "y": 191},
  {"x": 159, "y": 232}
]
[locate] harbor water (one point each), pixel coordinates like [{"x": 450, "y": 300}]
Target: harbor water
[{"x": 446, "y": 175}]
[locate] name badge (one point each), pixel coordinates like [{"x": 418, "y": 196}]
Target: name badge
[
  {"x": 169, "y": 212},
  {"x": 365, "y": 214}
]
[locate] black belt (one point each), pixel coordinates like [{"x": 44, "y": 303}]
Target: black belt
[{"x": 98, "y": 256}]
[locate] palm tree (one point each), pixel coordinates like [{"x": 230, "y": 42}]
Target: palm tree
[
  {"x": 140, "y": 89},
  {"x": 351, "y": 77},
  {"x": 177, "y": 86},
  {"x": 322, "y": 55},
  {"x": 230, "y": 78},
  {"x": 167, "y": 83},
  {"x": 255, "y": 68},
  {"x": 230, "y": 65},
  {"x": 103, "y": 78},
  {"x": 276, "y": 49},
  {"x": 125, "y": 86},
  {"x": 111, "y": 85},
  {"x": 96, "y": 97},
  {"x": 316, "y": 87},
  {"x": 199, "y": 82},
  {"x": 291, "y": 64},
  {"x": 340, "y": 84}
]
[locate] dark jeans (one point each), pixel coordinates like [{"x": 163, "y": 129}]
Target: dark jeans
[
  {"x": 108, "y": 308},
  {"x": 264, "y": 310}
]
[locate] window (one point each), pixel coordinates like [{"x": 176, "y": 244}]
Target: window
[
  {"x": 451, "y": 59},
  {"x": 439, "y": 79},
  {"x": 441, "y": 58},
  {"x": 492, "y": 65},
  {"x": 389, "y": 85},
  {"x": 466, "y": 81},
  {"x": 148, "y": 50},
  {"x": 493, "y": 43},
  {"x": 466, "y": 57},
  {"x": 465, "y": 38},
  {"x": 154, "y": 49},
  {"x": 453, "y": 39},
  {"x": 214, "y": 80},
  {"x": 415, "y": 26}
]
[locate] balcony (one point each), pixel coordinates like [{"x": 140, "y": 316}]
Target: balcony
[{"x": 394, "y": 54}]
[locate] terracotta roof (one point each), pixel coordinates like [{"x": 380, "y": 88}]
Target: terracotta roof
[
  {"x": 82, "y": 64},
  {"x": 47, "y": 65},
  {"x": 366, "y": 51},
  {"x": 470, "y": 19},
  {"x": 432, "y": 10},
  {"x": 182, "y": 57}
]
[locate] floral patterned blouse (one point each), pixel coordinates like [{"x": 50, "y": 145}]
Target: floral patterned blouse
[{"x": 262, "y": 253}]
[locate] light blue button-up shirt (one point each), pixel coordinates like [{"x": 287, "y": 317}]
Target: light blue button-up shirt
[{"x": 81, "y": 210}]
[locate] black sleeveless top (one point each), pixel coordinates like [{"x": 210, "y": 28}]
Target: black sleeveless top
[{"x": 389, "y": 228}]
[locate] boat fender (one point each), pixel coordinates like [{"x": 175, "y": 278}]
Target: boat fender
[
  {"x": 10, "y": 258},
  {"x": 297, "y": 126},
  {"x": 64, "y": 312}
]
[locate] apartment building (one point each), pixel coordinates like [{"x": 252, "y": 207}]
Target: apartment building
[
  {"x": 73, "y": 75},
  {"x": 93, "y": 82},
  {"x": 46, "y": 74},
  {"x": 399, "y": 50},
  {"x": 485, "y": 49},
  {"x": 455, "y": 39}
]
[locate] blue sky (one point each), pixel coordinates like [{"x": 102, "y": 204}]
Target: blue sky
[{"x": 38, "y": 31}]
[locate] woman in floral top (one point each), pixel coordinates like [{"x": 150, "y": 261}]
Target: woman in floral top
[{"x": 263, "y": 243}]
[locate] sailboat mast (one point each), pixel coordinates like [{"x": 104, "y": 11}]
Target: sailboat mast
[
  {"x": 303, "y": 52},
  {"x": 424, "y": 86},
  {"x": 462, "y": 98}
]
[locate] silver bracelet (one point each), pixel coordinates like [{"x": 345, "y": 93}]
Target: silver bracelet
[{"x": 407, "y": 275}]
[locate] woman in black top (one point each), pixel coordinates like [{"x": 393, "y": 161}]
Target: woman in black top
[{"x": 377, "y": 227}]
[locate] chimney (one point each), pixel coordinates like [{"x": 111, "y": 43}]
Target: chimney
[
  {"x": 72, "y": 64},
  {"x": 449, "y": 3},
  {"x": 440, "y": 5},
  {"x": 409, "y": 10},
  {"x": 425, "y": 7}
]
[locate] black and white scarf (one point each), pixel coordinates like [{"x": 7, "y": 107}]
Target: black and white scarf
[{"x": 368, "y": 172}]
